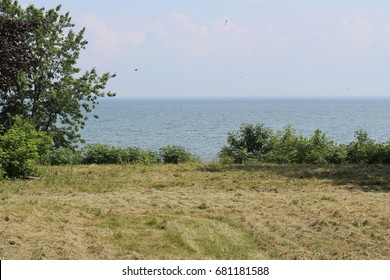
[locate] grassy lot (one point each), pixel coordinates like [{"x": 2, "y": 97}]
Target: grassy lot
[{"x": 198, "y": 212}]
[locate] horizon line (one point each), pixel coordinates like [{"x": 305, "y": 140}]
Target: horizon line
[{"x": 242, "y": 97}]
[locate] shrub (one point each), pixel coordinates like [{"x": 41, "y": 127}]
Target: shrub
[
  {"x": 131, "y": 155},
  {"x": 386, "y": 152},
  {"x": 107, "y": 154},
  {"x": 251, "y": 142},
  {"x": 258, "y": 143},
  {"x": 319, "y": 149},
  {"x": 149, "y": 157},
  {"x": 2, "y": 172},
  {"x": 176, "y": 154},
  {"x": 338, "y": 154},
  {"x": 65, "y": 156},
  {"x": 101, "y": 154},
  {"x": 364, "y": 150},
  {"x": 229, "y": 154},
  {"x": 285, "y": 146},
  {"x": 22, "y": 148}
]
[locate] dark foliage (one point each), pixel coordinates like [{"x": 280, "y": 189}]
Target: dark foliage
[{"x": 16, "y": 54}]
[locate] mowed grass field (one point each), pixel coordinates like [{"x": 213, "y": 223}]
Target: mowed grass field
[{"x": 195, "y": 211}]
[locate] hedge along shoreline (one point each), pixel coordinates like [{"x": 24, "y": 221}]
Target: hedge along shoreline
[
  {"x": 22, "y": 148},
  {"x": 107, "y": 154},
  {"x": 258, "y": 143},
  {"x": 251, "y": 143}
]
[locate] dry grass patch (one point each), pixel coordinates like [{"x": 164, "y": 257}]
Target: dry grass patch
[{"x": 198, "y": 212}]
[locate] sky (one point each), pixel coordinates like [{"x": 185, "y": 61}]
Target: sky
[{"x": 236, "y": 48}]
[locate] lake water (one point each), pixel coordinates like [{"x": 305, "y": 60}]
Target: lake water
[{"x": 201, "y": 125}]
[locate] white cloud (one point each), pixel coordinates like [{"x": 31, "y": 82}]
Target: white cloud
[
  {"x": 110, "y": 41},
  {"x": 358, "y": 30}
]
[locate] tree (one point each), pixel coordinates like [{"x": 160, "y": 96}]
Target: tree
[
  {"x": 53, "y": 95},
  {"x": 15, "y": 54}
]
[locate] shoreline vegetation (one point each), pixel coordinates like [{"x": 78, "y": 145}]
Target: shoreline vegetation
[
  {"x": 252, "y": 143},
  {"x": 22, "y": 149}
]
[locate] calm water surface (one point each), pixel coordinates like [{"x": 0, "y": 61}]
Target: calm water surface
[{"x": 201, "y": 125}]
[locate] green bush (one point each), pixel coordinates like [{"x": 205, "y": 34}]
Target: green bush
[
  {"x": 137, "y": 155},
  {"x": 107, "y": 154},
  {"x": 2, "y": 172},
  {"x": 176, "y": 154},
  {"x": 131, "y": 155},
  {"x": 230, "y": 154},
  {"x": 261, "y": 144},
  {"x": 149, "y": 157},
  {"x": 22, "y": 148},
  {"x": 365, "y": 151},
  {"x": 286, "y": 147},
  {"x": 101, "y": 154},
  {"x": 251, "y": 142},
  {"x": 65, "y": 156},
  {"x": 320, "y": 149}
]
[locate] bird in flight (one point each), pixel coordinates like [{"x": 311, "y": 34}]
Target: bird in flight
[
  {"x": 226, "y": 22},
  {"x": 136, "y": 69}
]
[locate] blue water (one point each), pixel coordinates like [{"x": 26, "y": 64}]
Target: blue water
[{"x": 202, "y": 125}]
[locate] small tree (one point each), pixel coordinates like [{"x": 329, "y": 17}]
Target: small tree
[
  {"x": 22, "y": 148},
  {"x": 54, "y": 95}
]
